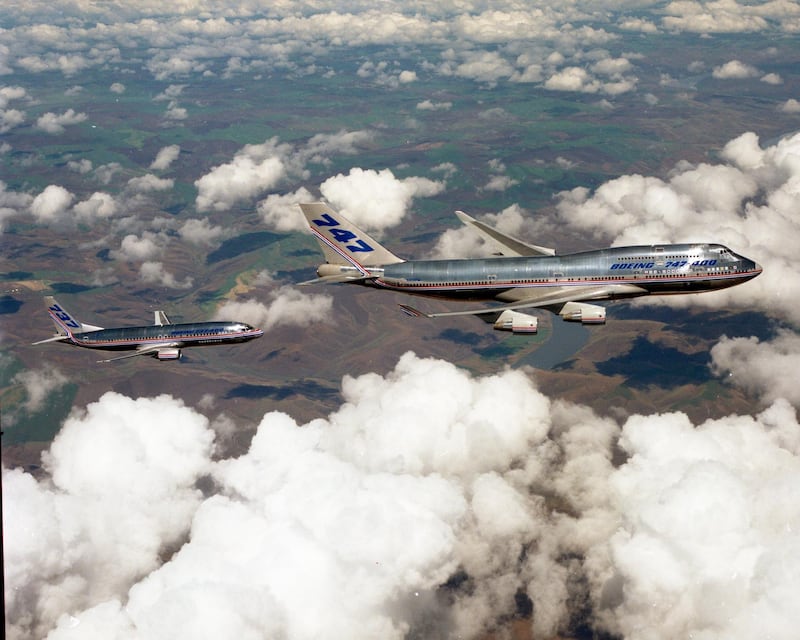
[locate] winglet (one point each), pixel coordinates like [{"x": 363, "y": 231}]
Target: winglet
[{"x": 511, "y": 246}]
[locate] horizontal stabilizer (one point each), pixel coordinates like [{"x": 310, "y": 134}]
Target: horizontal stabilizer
[
  {"x": 335, "y": 279},
  {"x": 511, "y": 246},
  {"x": 53, "y": 339}
]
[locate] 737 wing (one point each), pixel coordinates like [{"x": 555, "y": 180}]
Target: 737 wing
[{"x": 164, "y": 351}]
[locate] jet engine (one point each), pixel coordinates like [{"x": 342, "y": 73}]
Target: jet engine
[
  {"x": 168, "y": 354},
  {"x": 516, "y": 322},
  {"x": 584, "y": 313}
]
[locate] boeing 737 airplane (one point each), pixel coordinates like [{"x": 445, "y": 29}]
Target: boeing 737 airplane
[
  {"x": 526, "y": 276},
  {"x": 162, "y": 340}
]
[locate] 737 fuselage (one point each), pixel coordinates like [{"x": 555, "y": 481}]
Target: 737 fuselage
[
  {"x": 162, "y": 340},
  {"x": 529, "y": 276}
]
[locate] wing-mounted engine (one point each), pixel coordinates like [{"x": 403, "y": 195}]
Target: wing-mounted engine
[
  {"x": 517, "y": 322},
  {"x": 168, "y": 354},
  {"x": 583, "y": 312}
]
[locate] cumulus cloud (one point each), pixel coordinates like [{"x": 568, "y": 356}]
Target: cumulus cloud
[
  {"x": 39, "y": 385},
  {"x": 51, "y": 204},
  {"x": 749, "y": 202},
  {"x": 790, "y": 106},
  {"x": 56, "y": 123},
  {"x": 364, "y": 515},
  {"x": 12, "y": 203},
  {"x": 253, "y": 170},
  {"x": 149, "y": 182},
  {"x": 281, "y": 212},
  {"x": 154, "y": 272},
  {"x": 429, "y": 105},
  {"x": 705, "y": 545},
  {"x": 765, "y": 369},
  {"x": 735, "y": 69},
  {"x": 10, "y": 118},
  {"x": 376, "y": 200},
  {"x": 145, "y": 247},
  {"x": 287, "y": 306},
  {"x": 76, "y": 542},
  {"x": 572, "y": 79},
  {"x": 98, "y": 206},
  {"x": 165, "y": 157},
  {"x": 200, "y": 232}
]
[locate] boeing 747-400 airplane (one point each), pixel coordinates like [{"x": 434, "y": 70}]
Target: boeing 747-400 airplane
[
  {"x": 162, "y": 340},
  {"x": 526, "y": 276}
]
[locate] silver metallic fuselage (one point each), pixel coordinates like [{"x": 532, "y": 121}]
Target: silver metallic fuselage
[
  {"x": 193, "y": 334},
  {"x": 633, "y": 271}
]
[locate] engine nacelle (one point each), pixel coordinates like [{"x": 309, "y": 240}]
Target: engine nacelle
[
  {"x": 582, "y": 312},
  {"x": 168, "y": 354},
  {"x": 516, "y": 322}
]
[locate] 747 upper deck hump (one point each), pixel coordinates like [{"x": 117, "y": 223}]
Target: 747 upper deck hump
[{"x": 525, "y": 276}]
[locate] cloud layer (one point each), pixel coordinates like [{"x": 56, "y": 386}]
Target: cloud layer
[{"x": 407, "y": 511}]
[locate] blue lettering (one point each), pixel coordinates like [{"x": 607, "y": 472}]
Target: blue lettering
[
  {"x": 64, "y": 317},
  {"x": 360, "y": 245},
  {"x": 343, "y": 235},
  {"x": 326, "y": 221}
]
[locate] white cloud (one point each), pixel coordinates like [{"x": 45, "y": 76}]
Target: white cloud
[
  {"x": 165, "y": 157},
  {"x": 735, "y": 69},
  {"x": 281, "y": 212},
  {"x": 155, "y": 273},
  {"x": 287, "y": 306},
  {"x": 10, "y": 118},
  {"x": 253, "y": 170},
  {"x": 134, "y": 248},
  {"x": 97, "y": 207},
  {"x": 76, "y": 542},
  {"x": 55, "y": 123},
  {"x": 499, "y": 183},
  {"x": 200, "y": 232},
  {"x": 12, "y": 203},
  {"x": 39, "y": 385},
  {"x": 376, "y": 200},
  {"x": 766, "y": 369},
  {"x": 572, "y": 79},
  {"x": 365, "y": 513},
  {"x": 429, "y": 105},
  {"x": 705, "y": 545},
  {"x": 150, "y": 182},
  {"x": 718, "y": 17},
  {"x": 790, "y": 106},
  {"x": 51, "y": 204},
  {"x": 772, "y": 78}
]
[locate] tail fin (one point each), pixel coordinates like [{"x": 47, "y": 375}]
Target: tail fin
[
  {"x": 66, "y": 323},
  {"x": 343, "y": 242}
]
